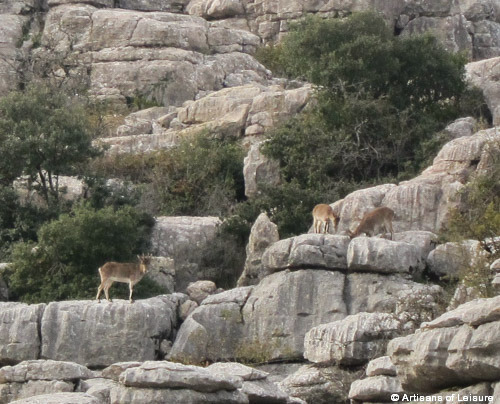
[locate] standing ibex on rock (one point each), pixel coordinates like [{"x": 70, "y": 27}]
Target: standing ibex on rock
[
  {"x": 130, "y": 273},
  {"x": 323, "y": 213},
  {"x": 374, "y": 221}
]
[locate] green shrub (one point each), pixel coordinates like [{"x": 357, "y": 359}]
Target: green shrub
[
  {"x": 44, "y": 133},
  {"x": 63, "y": 264}
]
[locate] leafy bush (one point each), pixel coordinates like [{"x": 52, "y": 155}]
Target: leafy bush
[
  {"x": 200, "y": 176},
  {"x": 43, "y": 133},
  {"x": 63, "y": 264}
]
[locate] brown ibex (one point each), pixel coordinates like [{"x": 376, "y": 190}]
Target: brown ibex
[
  {"x": 130, "y": 273},
  {"x": 374, "y": 221},
  {"x": 322, "y": 214}
]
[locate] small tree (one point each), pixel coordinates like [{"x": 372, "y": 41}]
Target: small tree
[{"x": 43, "y": 133}]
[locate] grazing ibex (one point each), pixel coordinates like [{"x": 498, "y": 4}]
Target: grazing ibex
[
  {"x": 323, "y": 213},
  {"x": 130, "y": 273},
  {"x": 374, "y": 221}
]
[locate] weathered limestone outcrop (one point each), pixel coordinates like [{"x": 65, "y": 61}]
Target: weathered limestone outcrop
[
  {"x": 450, "y": 259},
  {"x": 37, "y": 377},
  {"x": 484, "y": 74},
  {"x": 102, "y": 327},
  {"x": 182, "y": 238},
  {"x": 381, "y": 382},
  {"x": 259, "y": 169},
  {"x": 262, "y": 322},
  {"x": 469, "y": 26},
  {"x": 373, "y": 254},
  {"x": 173, "y": 382},
  {"x": 60, "y": 398},
  {"x": 351, "y": 341},
  {"x": 320, "y": 385},
  {"x": 307, "y": 286},
  {"x": 241, "y": 110},
  {"x": 422, "y": 203},
  {"x": 199, "y": 290},
  {"x": 307, "y": 251},
  {"x": 262, "y": 235},
  {"x": 458, "y": 348},
  {"x": 46, "y": 381},
  {"x": 19, "y": 332}
]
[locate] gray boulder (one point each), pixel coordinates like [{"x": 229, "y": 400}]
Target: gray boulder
[
  {"x": 307, "y": 251},
  {"x": 284, "y": 306},
  {"x": 484, "y": 74},
  {"x": 461, "y": 127},
  {"x": 129, "y": 395},
  {"x": 169, "y": 375},
  {"x": 38, "y": 377},
  {"x": 452, "y": 31},
  {"x": 108, "y": 332},
  {"x": 381, "y": 366},
  {"x": 425, "y": 241},
  {"x": 19, "y": 332},
  {"x": 163, "y": 381},
  {"x": 415, "y": 302},
  {"x": 44, "y": 370},
  {"x": 375, "y": 389},
  {"x": 200, "y": 290},
  {"x": 263, "y": 234},
  {"x": 182, "y": 238},
  {"x": 259, "y": 169},
  {"x": 320, "y": 385},
  {"x": 371, "y": 254},
  {"x": 60, "y": 398},
  {"x": 458, "y": 348},
  {"x": 450, "y": 259},
  {"x": 354, "y": 340}
]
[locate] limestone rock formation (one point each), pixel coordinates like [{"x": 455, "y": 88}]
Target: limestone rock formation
[
  {"x": 373, "y": 254},
  {"x": 306, "y": 251},
  {"x": 306, "y": 287},
  {"x": 241, "y": 110},
  {"x": 462, "y": 343},
  {"x": 320, "y": 385},
  {"x": 259, "y": 169},
  {"x": 351, "y": 341},
  {"x": 375, "y": 389},
  {"x": 60, "y": 398},
  {"x": 19, "y": 332},
  {"x": 450, "y": 259},
  {"x": 38, "y": 377},
  {"x": 261, "y": 322},
  {"x": 484, "y": 74},
  {"x": 199, "y": 290},
  {"x": 262, "y": 235},
  {"x": 182, "y": 239},
  {"x": 100, "y": 326},
  {"x": 381, "y": 366}
]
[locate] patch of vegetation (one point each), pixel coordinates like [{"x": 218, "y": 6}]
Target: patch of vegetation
[
  {"x": 478, "y": 218},
  {"x": 63, "y": 263},
  {"x": 44, "y": 133}
]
